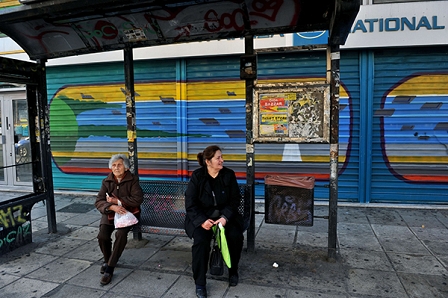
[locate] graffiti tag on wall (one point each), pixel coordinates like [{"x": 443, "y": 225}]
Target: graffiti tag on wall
[{"x": 15, "y": 228}]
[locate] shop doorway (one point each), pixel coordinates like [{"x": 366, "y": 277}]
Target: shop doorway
[{"x": 15, "y": 149}]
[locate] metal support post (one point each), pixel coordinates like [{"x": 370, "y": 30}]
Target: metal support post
[
  {"x": 131, "y": 118},
  {"x": 333, "y": 74},
  {"x": 250, "y": 166},
  {"x": 43, "y": 136}
]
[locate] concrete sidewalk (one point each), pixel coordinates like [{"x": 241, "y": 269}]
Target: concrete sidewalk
[{"x": 384, "y": 252}]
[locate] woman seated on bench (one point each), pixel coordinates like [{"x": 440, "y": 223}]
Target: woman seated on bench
[
  {"x": 213, "y": 197},
  {"x": 120, "y": 191}
]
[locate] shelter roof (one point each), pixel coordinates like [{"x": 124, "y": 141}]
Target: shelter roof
[{"x": 60, "y": 28}]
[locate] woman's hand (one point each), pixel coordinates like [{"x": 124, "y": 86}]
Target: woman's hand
[
  {"x": 208, "y": 224},
  {"x": 112, "y": 199},
  {"x": 221, "y": 220},
  {"x": 118, "y": 209}
]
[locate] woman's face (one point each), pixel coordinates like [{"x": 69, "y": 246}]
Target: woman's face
[
  {"x": 215, "y": 164},
  {"x": 118, "y": 168}
]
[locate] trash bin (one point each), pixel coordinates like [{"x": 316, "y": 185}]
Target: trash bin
[{"x": 289, "y": 200}]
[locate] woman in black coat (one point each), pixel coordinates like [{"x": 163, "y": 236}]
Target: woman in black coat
[{"x": 213, "y": 197}]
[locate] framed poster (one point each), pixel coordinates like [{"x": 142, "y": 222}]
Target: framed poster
[{"x": 292, "y": 113}]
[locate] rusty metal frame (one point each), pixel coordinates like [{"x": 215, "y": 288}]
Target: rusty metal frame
[{"x": 299, "y": 87}]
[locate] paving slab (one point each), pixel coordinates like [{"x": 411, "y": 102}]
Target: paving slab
[
  {"x": 184, "y": 287},
  {"x": 442, "y": 216},
  {"x": 430, "y": 233},
  {"x": 411, "y": 246},
  {"x": 23, "y": 264},
  {"x": 179, "y": 243},
  {"x": 385, "y": 217},
  {"x": 60, "y": 270},
  {"x": 438, "y": 247},
  {"x": 7, "y": 279},
  {"x": 369, "y": 260},
  {"x": 135, "y": 257},
  {"x": 27, "y": 287},
  {"x": 276, "y": 234},
  {"x": 90, "y": 278},
  {"x": 391, "y": 231},
  {"x": 256, "y": 292},
  {"x": 352, "y": 235},
  {"x": 418, "y": 285},
  {"x": 64, "y": 291},
  {"x": 312, "y": 239},
  {"x": 89, "y": 251},
  {"x": 173, "y": 260},
  {"x": 82, "y": 219},
  {"x": 307, "y": 294},
  {"x": 61, "y": 246},
  {"x": 141, "y": 283},
  {"x": 352, "y": 215},
  {"x": 84, "y": 233},
  {"x": 422, "y": 218},
  {"x": 381, "y": 283},
  {"x": 420, "y": 264}
]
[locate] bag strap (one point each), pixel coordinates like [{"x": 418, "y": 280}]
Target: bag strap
[{"x": 215, "y": 231}]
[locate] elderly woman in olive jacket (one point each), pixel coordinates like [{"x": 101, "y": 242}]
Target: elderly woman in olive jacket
[
  {"x": 213, "y": 196},
  {"x": 120, "y": 191}
]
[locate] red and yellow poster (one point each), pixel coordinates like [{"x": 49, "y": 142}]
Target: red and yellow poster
[{"x": 274, "y": 113}]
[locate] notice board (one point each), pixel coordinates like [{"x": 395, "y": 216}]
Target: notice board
[{"x": 292, "y": 114}]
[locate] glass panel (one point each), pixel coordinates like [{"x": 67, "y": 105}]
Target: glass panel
[{"x": 22, "y": 141}]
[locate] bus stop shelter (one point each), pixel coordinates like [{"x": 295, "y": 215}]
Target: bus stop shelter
[{"x": 63, "y": 28}]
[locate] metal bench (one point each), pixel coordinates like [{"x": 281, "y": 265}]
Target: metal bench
[{"x": 163, "y": 208}]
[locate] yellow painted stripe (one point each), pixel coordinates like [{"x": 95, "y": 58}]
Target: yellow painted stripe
[
  {"x": 169, "y": 155},
  {"x": 152, "y": 91},
  {"x": 423, "y": 85},
  {"x": 259, "y": 157},
  {"x": 216, "y": 90},
  {"x": 272, "y": 158},
  {"x": 114, "y": 92},
  {"x": 419, "y": 159},
  {"x": 85, "y": 154}
]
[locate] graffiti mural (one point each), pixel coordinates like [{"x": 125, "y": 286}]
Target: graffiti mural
[
  {"x": 424, "y": 157},
  {"x": 88, "y": 125}
]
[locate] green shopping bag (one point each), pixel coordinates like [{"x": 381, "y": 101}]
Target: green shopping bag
[{"x": 222, "y": 243}]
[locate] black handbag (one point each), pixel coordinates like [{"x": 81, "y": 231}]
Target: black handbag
[{"x": 216, "y": 261}]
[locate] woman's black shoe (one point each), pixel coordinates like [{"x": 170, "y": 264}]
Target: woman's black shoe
[
  {"x": 201, "y": 293},
  {"x": 233, "y": 280}
]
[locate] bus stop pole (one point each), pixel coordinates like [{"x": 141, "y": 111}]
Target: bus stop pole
[
  {"x": 250, "y": 166},
  {"x": 131, "y": 127},
  {"x": 333, "y": 76},
  {"x": 44, "y": 143}
]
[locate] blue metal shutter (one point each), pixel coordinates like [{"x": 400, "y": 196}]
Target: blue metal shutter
[
  {"x": 410, "y": 112},
  {"x": 215, "y": 110},
  {"x": 157, "y": 105},
  {"x": 87, "y": 122}
]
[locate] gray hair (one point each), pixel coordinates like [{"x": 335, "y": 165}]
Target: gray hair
[{"x": 116, "y": 157}]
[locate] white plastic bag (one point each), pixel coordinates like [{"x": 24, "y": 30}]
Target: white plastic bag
[{"x": 124, "y": 220}]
